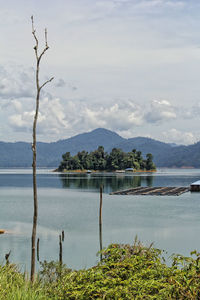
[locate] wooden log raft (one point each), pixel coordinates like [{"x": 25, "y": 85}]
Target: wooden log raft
[{"x": 153, "y": 191}]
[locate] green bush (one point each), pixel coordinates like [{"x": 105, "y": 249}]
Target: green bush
[
  {"x": 126, "y": 272},
  {"x": 130, "y": 272}
]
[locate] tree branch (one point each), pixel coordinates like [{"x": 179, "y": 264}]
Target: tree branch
[
  {"x": 43, "y": 52},
  {"x": 35, "y": 37},
  {"x": 46, "y": 82}
]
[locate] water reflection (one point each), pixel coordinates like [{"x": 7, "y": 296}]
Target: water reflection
[{"x": 111, "y": 182}]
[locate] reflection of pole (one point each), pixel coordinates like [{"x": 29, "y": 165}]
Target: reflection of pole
[{"x": 100, "y": 221}]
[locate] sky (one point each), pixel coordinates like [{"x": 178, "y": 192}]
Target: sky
[{"x": 130, "y": 66}]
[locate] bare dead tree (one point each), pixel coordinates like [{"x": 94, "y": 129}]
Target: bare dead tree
[{"x": 38, "y": 90}]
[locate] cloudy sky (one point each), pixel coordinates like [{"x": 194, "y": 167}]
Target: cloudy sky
[{"x": 131, "y": 66}]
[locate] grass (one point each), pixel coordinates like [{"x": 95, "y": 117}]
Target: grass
[{"x": 126, "y": 272}]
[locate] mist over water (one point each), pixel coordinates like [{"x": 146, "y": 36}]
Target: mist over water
[{"x": 70, "y": 202}]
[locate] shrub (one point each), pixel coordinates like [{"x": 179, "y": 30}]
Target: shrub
[{"x": 126, "y": 272}]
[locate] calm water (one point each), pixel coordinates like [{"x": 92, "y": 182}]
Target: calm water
[{"x": 71, "y": 202}]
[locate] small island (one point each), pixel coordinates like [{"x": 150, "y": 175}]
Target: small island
[{"x": 99, "y": 160}]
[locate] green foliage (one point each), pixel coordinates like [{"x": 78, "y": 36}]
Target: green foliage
[
  {"x": 52, "y": 271},
  {"x": 149, "y": 162},
  {"x": 100, "y": 160},
  {"x": 15, "y": 286},
  {"x": 126, "y": 272},
  {"x": 131, "y": 272}
]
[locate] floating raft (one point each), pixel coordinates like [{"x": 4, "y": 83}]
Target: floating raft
[{"x": 154, "y": 191}]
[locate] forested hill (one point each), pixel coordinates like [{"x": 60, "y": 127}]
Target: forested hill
[{"x": 19, "y": 154}]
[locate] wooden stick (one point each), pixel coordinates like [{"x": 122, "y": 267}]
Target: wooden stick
[
  {"x": 63, "y": 235},
  {"x": 38, "y": 249},
  {"x": 100, "y": 221},
  {"x": 60, "y": 250},
  {"x": 7, "y": 257}
]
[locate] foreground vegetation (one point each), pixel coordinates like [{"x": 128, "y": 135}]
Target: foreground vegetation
[
  {"x": 126, "y": 272},
  {"x": 100, "y": 160}
]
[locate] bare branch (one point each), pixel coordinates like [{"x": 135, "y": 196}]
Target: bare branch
[
  {"x": 35, "y": 37},
  {"x": 46, "y": 82},
  {"x": 33, "y": 30},
  {"x": 46, "y": 43},
  {"x": 43, "y": 52}
]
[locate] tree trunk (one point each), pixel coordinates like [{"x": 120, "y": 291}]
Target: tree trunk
[{"x": 35, "y": 198}]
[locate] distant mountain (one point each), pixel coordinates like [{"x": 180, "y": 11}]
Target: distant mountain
[
  {"x": 173, "y": 144},
  {"x": 19, "y": 154},
  {"x": 147, "y": 145}
]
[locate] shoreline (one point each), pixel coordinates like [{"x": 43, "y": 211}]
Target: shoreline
[{"x": 105, "y": 171}]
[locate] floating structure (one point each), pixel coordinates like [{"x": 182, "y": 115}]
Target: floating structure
[
  {"x": 154, "y": 191},
  {"x": 129, "y": 170},
  {"x": 2, "y": 231},
  {"x": 195, "y": 186}
]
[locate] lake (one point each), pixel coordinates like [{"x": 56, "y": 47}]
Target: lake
[{"x": 70, "y": 202}]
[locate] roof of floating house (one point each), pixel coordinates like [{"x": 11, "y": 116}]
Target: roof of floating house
[{"x": 196, "y": 183}]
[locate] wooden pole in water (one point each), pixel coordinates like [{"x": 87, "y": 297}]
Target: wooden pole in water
[
  {"x": 38, "y": 249},
  {"x": 60, "y": 250},
  {"x": 7, "y": 257},
  {"x": 63, "y": 235},
  {"x": 100, "y": 221}
]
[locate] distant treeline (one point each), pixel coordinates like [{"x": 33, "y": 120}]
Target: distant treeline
[{"x": 100, "y": 160}]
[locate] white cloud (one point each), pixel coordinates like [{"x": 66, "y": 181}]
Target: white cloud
[
  {"x": 191, "y": 112},
  {"x": 175, "y": 4},
  {"x": 60, "y": 83},
  {"x": 16, "y": 81},
  {"x": 179, "y": 137},
  {"x": 61, "y": 119},
  {"x": 22, "y": 122},
  {"x": 114, "y": 115},
  {"x": 195, "y": 111},
  {"x": 141, "y": 4},
  {"x": 51, "y": 118},
  {"x": 17, "y": 105},
  {"x": 160, "y": 110},
  {"x": 121, "y": 115},
  {"x": 57, "y": 118},
  {"x": 159, "y": 3},
  {"x": 133, "y": 49}
]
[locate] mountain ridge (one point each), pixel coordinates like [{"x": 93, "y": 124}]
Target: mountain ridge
[{"x": 19, "y": 154}]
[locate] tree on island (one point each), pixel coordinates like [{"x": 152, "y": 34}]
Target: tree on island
[{"x": 101, "y": 160}]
